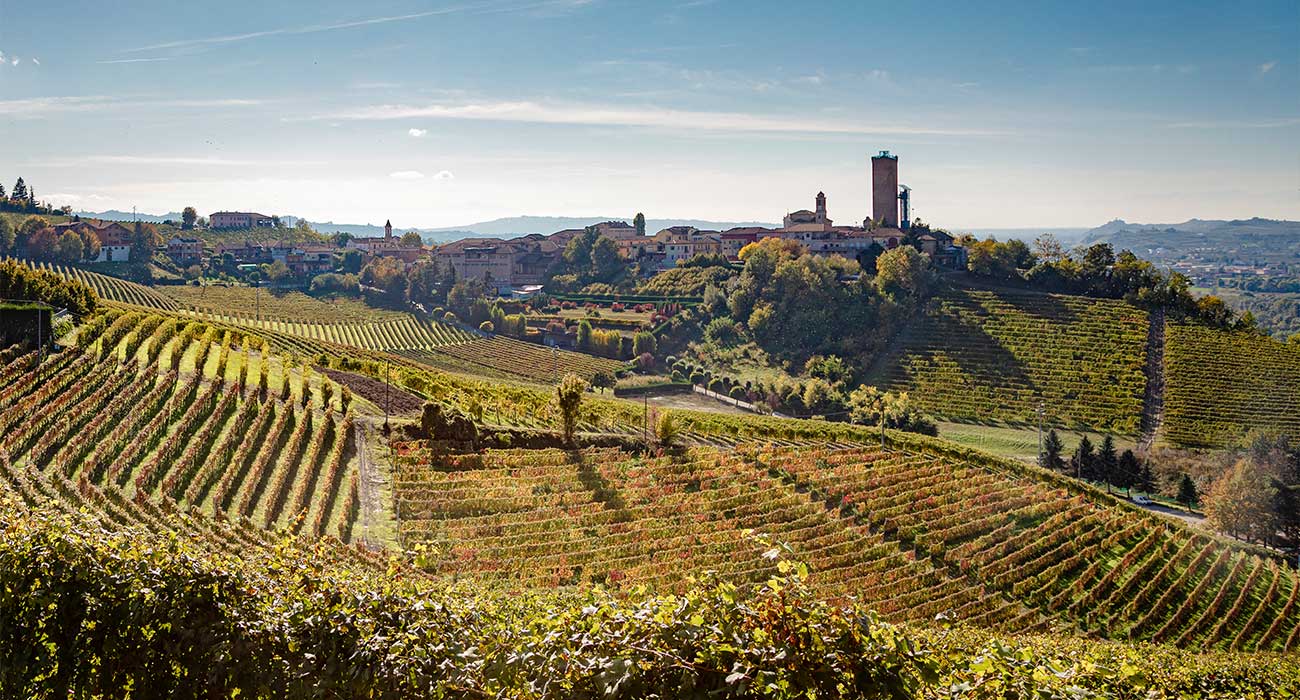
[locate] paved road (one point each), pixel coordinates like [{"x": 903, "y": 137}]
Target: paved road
[{"x": 1189, "y": 518}]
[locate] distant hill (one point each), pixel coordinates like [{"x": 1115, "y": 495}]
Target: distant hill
[
  {"x": 1240, "y": 240},
  {"x": 117, "y": 215},
  {"x": 1068, "y": 236},
  {"x": 521, "y": 225}
]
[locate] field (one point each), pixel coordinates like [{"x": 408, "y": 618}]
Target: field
[
  {"x": 302, "y": 324},
  {"x": 175, "y": 495},
  {"x": 1219, "y": 386},
  {"x": 911, "y": 534},
  {"x": 150, "y": 410},
  {"x": 991, "y": 357},
  {"x": 1016, "y": 442}
]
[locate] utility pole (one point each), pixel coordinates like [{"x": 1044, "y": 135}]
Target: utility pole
[
  {"x": 645, "y": 418},
  {"x": 1041, "y": 410},
  {"x": 387, "y": 402}
]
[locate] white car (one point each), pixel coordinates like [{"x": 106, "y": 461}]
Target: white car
[{"x": 1142, "y": 500}]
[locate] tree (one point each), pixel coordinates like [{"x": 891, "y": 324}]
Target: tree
[
  {"x": 144, "y": 240},
  {"x": 29, "y": 227},
  {"x": 903, "y": 271},
  {"x": 43, "y": 245},
  {"x": 603, "y": 380},
  {"x": 1107, "y": 463},
  {"x": 487, "y": 327},
  {"x": 351, "y": 260},
  {"x": 1187, "y": 494},
  {"x": 569, "y": 397},
  {"x": 385, "y": 283},
  {"x": 277, "y": 272},
  {"x": 189, "y": 215},
  {"x": 868, "y": 257},
  {"x": 644, "y": 342},
  {"x": 69, "y": 248},
  {"x": 605, "y": 259},
  {"x": 1146, "y": 481},
  {"x": 1127, "y": 472},
  {"x": 666, "y": 429},
  {"x": 584, "y": 335},
  {"x": 1048, "y": 248},
  {"x": 1240, "y": 502},
  {"x": 1083, "y": 463},
  {"x": 412, "y": 239},
  {"x": 19, "y": 192},
  {"x": 193, "y": 272},
  {"x": 7, "y": 238},
  {"x": 638, "y": 222},
  {"x": 1052, "y": 449}
]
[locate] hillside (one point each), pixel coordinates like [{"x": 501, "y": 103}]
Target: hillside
[
  {"x": 1220, "y": 386},
  {"x": 984, "y": 355},
  {"x": 911, "y": 534},
  {"x": 146, "y": 468},
  {"x": 1242, "y": 240},
  {"x": 296, "y": 322}
]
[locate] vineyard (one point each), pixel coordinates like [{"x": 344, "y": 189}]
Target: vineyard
[
  {"x": 1221, "y": 385},
  {"x": 112, "y": 288},
  {"x": 301, "y": 324},
  {"x": 993, "y": 356},
  {"x": 147, "y": 408},
  {"x": 911, "y": 535}
]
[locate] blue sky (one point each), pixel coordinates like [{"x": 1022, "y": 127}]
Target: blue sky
[{"x": 442, "y": 113}]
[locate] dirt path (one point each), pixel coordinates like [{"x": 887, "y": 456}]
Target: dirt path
[
  {"x": 374, "y": 478},
  {"x": 1153, "y": 402}
]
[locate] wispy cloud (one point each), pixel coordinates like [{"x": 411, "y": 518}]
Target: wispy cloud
[
  {"x": 417, "y": 133},
  {"x": 1278, "y": 123},
  {"x": 1267, "y": 67},
  {"x": 407, "y": 175},
  {"x": 650, "y": 117},
  {"x": 134, "y": 60},
  {"x": 33, "y": 106},
  {"x": 35, "y": 60},
  {"x": 38, "y": 106},
  {"x": 444, "y": 175},
  {"x": 191, "y": 160},
  {"x": 491, "y": 6}
]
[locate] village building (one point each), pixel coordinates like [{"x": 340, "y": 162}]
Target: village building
[
  {"x": 185, "y": 251},
  {"x": 114, "y": 238},
  {"x": 387, "y": 245},
  {"x": 240, "y": 219}
]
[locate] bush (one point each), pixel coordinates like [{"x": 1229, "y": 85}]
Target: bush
[{"x": 487, "y": 327}]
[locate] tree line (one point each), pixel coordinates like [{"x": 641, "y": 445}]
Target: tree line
[
  {"x": 22, "y": 200},
  {"x": 1096, "y": 271}
]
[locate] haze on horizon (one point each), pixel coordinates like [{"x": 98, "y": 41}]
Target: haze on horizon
[{"x": 442, "y": 113}]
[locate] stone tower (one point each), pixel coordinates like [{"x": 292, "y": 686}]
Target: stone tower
[
  {"x": 388, "y": 229},
  {"x": 821, "y": 207},
  {"x": 884, "y": 189}
]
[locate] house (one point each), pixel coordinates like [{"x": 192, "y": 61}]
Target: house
[
  {"x": 240, "y": 219},
  {"x": 185, "y": 251},
  {"x": 114, "y": 238},
  {"x": 504, "y": 264}
]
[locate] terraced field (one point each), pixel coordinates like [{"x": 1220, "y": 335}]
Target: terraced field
[
  {"x": 112, "y": 288},
  {"x": 979, "y": 356},
  {"x": 1220, "y": 385},
  {"x": 150, "y": 411},
  {"x": 299, "y": 323},
  {"x": 911, "y": 535}
]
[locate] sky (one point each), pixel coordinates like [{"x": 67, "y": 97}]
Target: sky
[{"x": 431, "y": 114}]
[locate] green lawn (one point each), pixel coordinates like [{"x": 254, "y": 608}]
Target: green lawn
[{"x": 1016, "y": 442}]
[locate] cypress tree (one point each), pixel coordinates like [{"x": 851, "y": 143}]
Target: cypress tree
[{"x": 1052, "y": 449}]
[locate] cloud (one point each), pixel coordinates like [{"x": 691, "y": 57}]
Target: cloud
[
  {"x": 37, "y": 61},
  {"x": 133, "y": 60},
  {"x": 444, "y": 175},
  {"x": 407, "y": 175},
  {"x": 417, "y": 133},
  {"x": 1277, "y": 123},
  {"x": 36, "y": 106},
  {"x": 497, "y": 6},
  {"x": 1266, "y": 67},
  {"x": 209, "y": 161},
  {"x": 649, "y": 117}
]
